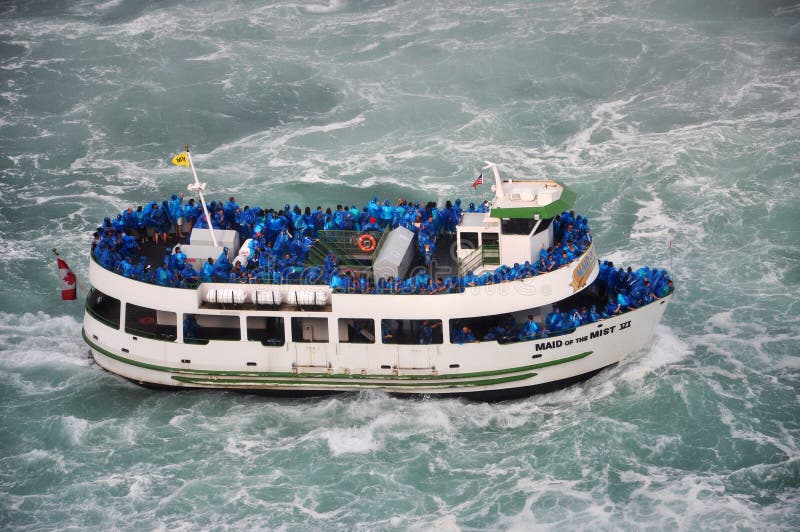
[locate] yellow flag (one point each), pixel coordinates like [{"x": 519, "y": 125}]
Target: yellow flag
[{"x": 181, "y": 159}]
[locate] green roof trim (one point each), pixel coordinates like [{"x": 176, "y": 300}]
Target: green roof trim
[{"x": 564, "y": 203}]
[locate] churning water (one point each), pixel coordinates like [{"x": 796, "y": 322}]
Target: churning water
[{"x": 675, "y": 121}]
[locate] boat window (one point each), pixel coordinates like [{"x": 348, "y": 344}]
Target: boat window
[
  {"x": 517, "y": 226},
  {"x": 357, "y": 330},
  {"x": 103, "y": 307},
  {"x": 469, "y": 240},
  {"x": 150, "y": 323},
  {"x": 490, "y": 239},
  {"x": 498, "y": 327},
  {"x": 309, "y": 329},
  {"x": 266, "y": 329},
  {"x": 200, "y": 328},
  {"x": 411, "y": 332},
  {"x": 544, "y": 225}
]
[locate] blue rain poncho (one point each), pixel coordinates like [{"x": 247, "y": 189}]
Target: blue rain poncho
[
  {"x": 528, "y": 331},
  {"x": 162, "y": 276}
]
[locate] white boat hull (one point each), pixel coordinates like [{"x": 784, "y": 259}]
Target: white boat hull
[{"x": 485, "y": 370}]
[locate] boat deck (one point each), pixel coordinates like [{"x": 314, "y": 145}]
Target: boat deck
[{"x": 444, "y": 263}]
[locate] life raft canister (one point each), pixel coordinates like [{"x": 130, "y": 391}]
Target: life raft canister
[{"x": 367, "y": 243}]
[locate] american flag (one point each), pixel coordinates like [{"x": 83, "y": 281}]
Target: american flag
[{"x": 478, "y": 181}]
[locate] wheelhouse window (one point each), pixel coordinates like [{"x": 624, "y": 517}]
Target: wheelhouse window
[
  {"x": 200, "y": 328},
  {"x": 356, "y": 330},
  {"x": 411, "y": 332},
  {"x": 310, "y": 329},
  {"x": 266, "y": 329},
  {"x": 544, "y": 225},
  {"x": 469, "y": 240},
  {"x": 490, "y": 239},
  {"x": 103, "y": 307},
  {"x": 150, "y": 323},
  {"x": 517, "y": 226}
]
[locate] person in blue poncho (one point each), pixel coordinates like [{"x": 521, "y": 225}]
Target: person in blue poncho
[
  {"x": 529, "y": 329},
  {"x": 666, "y": 289},
  {"x": 464, "y": 336},
  {"x": 129, "y": 219},
  {"x": 624, "y": 301},
  {"x": 189, "y": 327},
  {"x": 175, "y": 207},
  {"x": 126, "y": 268},
  {"x": 553, "y": 319},
  {"x": 386, "y": 332},
  {"x": 188, "y": 275},
  {"x": 207, "y": 271},
  {"x": 337, "y": 281},
  {"x": 162, "y": 276},
  {"x": 130, "y": 247},
  {"x": 425, "y": 334},
  {"x": 140, "y": 268},
  {"x": 178, "y": 259}
]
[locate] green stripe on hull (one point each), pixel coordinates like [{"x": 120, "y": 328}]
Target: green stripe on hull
[
  {"x": 342, "y": 384},
  {"x": 337, "y": 376}
]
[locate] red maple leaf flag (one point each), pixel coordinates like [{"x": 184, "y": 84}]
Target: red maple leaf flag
[{"x": 68, "y": 291}]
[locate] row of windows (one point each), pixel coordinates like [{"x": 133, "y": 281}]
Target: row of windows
[{"x": 270, "y": 331}]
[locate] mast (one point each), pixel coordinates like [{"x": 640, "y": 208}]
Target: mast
[
  {"x": 200, "y": 187},
  {"x": 497, "y": 182}
]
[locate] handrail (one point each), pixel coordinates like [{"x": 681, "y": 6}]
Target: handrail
[{"x": 470, "y": 262}]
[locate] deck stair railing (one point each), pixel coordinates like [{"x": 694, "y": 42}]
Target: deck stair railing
[
  {"x": 344, "y": 245},
  {"x": 471, "y": 262}
]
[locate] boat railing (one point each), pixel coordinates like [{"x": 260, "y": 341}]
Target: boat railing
[
  {"x": 344, "y": 245},
  {"x": 471, "y": 262}
]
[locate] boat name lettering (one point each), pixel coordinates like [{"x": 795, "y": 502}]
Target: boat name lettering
[{"x": 594, "y": 334}]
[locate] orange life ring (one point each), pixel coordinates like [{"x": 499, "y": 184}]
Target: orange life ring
[
  {"x": 367, "y": 243},
  {"x": 147, "y": 320}
]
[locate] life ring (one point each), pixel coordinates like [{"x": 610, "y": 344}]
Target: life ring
[
  {"x": 147, "y": 320},
  {"x": 367, "y": 243}
]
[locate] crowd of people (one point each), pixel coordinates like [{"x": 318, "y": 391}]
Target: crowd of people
[
  {"x": 279, "y": 240},
  {"x": 279, "y": 243}
]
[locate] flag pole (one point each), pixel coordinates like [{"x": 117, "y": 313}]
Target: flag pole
[{"x": 200, "y": 187}]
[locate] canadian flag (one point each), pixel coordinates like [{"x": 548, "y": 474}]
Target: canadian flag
[{"x": 68, "y": 291}]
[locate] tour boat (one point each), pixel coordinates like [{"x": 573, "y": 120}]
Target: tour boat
[{"x": 305, "y": 335}]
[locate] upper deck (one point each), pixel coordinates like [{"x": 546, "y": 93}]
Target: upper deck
[{"x": 382, "y": 248}]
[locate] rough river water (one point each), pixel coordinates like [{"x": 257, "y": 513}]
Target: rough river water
[{"x": 675, "y": 121}]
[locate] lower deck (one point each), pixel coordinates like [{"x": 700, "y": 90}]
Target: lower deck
[{"x": 318, "y": 366}]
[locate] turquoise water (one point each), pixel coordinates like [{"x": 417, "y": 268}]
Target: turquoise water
[{"x": 674, "y": 122}]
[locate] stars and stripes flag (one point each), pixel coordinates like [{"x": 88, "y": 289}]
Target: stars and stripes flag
[
  {"x": 68, "y": 291},
  {"x": 478, "y": 181}
]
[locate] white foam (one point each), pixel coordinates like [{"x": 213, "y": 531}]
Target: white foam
[{"x": 331, "y": 7}]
